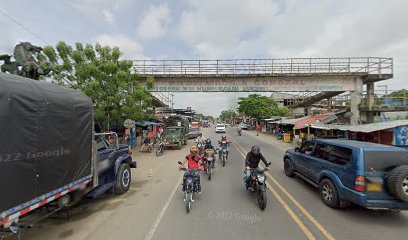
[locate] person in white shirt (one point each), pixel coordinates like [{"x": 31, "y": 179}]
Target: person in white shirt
[{"x": 200, "y": 139}]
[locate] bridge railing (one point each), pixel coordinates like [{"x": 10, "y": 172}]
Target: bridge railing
[{"x": 352, "y": 65}]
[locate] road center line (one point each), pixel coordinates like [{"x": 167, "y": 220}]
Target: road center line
[
  {"x": 292, "y": 214},
  {"x": 301, "y": 208}
]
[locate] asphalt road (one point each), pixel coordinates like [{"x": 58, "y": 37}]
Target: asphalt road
[
  {"x": 225, "y": 210},
  {"x": 154, "y": 207}
]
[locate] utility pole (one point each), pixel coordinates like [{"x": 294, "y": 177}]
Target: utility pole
[{"x": 172, "y": 102}]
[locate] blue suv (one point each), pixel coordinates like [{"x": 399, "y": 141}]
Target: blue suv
[{"x": 370, "y": 175}]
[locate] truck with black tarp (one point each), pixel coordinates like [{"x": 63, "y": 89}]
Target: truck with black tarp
[{"x": 49, "y": 151}]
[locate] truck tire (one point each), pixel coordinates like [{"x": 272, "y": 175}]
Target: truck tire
[
  {"x": 288, "y": 168},
  {"x": 64, "y": 200},
  {"x": 123, "y": 179},
  {"x": 397, "y": 182},
  {"x": 328, "y": 193},
  {"x": 179, "y": 145}
]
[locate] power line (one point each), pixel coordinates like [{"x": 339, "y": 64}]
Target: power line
[{"x": 21, "y": 25}]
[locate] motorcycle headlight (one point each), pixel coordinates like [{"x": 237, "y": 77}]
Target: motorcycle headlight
[
  {"x": 189, "y": 180},
  {"x": 261, "y": 178}
]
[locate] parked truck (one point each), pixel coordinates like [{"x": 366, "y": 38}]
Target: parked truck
[
  {"x": 49, "y": 152},
  {"x": 179, "y": 121}
]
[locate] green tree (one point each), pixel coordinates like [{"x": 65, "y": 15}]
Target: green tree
[
  {"x": 399, "y": 94},
  {"x": 209, "y": 118},
  {"x": 259, "y": 107},
  {"x": 100, "y": 74},
  {"x": 228, "y": 114}
]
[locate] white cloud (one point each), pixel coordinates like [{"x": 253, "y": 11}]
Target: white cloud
[
  {"x": 100, "y": 9},
  {"x": 213, "y": 26},
  {"x": 108, "y": 16},
  {"x": 154, "y": 22},
  {"x": 130, "y": 48}
]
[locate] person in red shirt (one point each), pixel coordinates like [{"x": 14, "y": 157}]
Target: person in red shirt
[
  {"x": 258, "y": 129},
  {"x": 193, "y": 161}
]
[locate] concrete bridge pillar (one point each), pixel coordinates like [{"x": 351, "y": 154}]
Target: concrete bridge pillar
[
  {"x": 370, "y": 102},
  {"x": 329, "y": 104},
  {"x": 355, "y": 100}
]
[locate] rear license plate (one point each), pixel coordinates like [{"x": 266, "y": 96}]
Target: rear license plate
[{"x": 374, "y": 187}]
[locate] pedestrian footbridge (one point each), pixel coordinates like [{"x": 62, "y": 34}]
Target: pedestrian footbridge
[
  {"x": 265, "y": 75},
  {"x": 329, "y": 76}
]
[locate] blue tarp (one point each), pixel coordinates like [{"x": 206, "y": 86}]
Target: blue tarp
[{"x": 144, "y": 124}]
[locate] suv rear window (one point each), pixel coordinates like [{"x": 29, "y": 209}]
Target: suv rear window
[
  {"x": 339, "y": 155},
  {"x": 333, "y": 154},
  {"x": 384, "y": 160}
]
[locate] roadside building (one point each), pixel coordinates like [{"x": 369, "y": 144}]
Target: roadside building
[{"x": 388, "y": 133}]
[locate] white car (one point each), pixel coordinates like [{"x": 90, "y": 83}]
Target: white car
[
  {"x": 220, "y": 128},
  {"x": 243, "y": 126}
]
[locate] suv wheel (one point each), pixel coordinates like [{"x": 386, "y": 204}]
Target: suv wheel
[
  {"x": 123, "y": 179},
  {"x": 328, "y": 193},
  {"x": 397, "y": 182},
  {"x": 288, "y": 168}
]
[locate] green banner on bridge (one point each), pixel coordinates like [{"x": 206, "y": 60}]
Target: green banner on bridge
[{"x": 254, "y": 84}]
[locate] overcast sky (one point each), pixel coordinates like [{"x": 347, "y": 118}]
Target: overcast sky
[{"x": 218, "y": 29}]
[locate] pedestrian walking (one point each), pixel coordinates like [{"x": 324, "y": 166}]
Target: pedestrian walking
[{"x": 258, "y": 129}]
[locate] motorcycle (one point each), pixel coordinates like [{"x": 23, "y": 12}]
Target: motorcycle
[
  {"x": 200, "y": 147},
  {"x": 160, "y": 149},
  {"x": 239, "y": 132},
  {"x": 209, "y": 159},
  {"x": 223, "y": 154},
  {"x": 149, "y": 147},
  {"x": 190, "y": 186},
  {"x": 258, "y": 185}
]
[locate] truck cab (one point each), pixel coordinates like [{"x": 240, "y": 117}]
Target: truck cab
[
  {"x": 175, "y": 137},
  {"x": 113, "y": 165}
]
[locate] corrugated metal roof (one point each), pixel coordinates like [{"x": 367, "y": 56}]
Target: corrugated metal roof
[
  {"x": 302, "y": 123},
  {"x": 290, "y": 121},
  {"x": 366, "y": 128}
]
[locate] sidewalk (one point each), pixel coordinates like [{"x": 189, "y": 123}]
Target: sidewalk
[{"x": 269, "y": 138}]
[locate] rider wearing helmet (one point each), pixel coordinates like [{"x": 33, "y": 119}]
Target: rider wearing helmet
[
  {"x": 193, "y": 163},
  {"x": 224, "y": 143},
  {"x": 208, "y": 146},
  {"x": 252, "y": 161}
]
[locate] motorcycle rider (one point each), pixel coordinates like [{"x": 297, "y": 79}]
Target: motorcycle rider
[
  {"x": 208, "y": 146},
  {"x": 200, "y": 139},
  {"x": 239, "y": 129},
  {"x": 193, "y": 163},
  {"x": 224, "y": 140},
  {"x": 251, "y": 162}
]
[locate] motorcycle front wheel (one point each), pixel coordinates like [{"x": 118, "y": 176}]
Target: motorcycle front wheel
[
  {"x": 159, "y": 150},
  {"x": 209, "y": 172},
  {"x": 188, "y": 202},
  {"x": 223, "y": 161},
  {"x": 262, "y": 200}
]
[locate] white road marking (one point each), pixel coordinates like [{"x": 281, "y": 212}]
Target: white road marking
[{"x": 156, "y": 223}]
